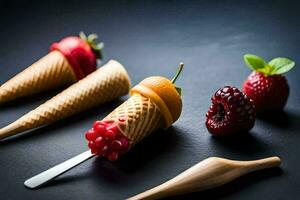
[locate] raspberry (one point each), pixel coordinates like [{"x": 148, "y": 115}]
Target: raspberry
[{"x": 231, "y": 112}]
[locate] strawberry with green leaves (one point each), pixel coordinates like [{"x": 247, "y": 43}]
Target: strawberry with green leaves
[{"x": 266, "y": 85}]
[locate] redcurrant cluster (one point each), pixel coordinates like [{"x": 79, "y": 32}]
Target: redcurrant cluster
[{"x": 105, "y": 139}]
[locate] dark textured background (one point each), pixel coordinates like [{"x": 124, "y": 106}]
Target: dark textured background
[{"x": 151, "y": 38}]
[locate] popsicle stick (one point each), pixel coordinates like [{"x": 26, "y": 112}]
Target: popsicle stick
[
  {"x": 210, "y": 173},
  {"x": 57, "y": 170}
]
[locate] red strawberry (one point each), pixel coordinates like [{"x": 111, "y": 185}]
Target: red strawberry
[
  {"x": 266, "y": 86},
  {"x": 81, "y": 52}
]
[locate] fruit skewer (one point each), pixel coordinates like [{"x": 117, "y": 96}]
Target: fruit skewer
[
  {"x": 107, "y": 83},
  {"x": 68, "y": 61},
  {"x": 154, "y": 103}
]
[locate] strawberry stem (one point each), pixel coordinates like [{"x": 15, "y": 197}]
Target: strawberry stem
[
  {"x": 92, "y": 42},
  {"x": 177, "y": 73}
]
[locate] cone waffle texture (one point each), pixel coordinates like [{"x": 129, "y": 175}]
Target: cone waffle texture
[
  {"x": 51, "y": 71},
  {"x": 105, "y": 84},
  {"x": 141, "y": 117}
]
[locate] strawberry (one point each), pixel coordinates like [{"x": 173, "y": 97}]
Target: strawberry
[
  {"x": 82, "y": 52},
  {"x": 266, "y": 85}
]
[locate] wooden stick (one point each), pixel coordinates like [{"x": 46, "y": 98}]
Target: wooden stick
[{"x": 210, "y": 173}]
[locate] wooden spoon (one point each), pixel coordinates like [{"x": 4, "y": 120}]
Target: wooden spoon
[{"x": 210, "y": 173}]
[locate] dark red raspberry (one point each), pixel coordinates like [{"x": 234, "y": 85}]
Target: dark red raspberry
[
  {"x": 231, "y": 112},
  {"x": 268, "y": 92},
  {"x": 105, "y": 139}
]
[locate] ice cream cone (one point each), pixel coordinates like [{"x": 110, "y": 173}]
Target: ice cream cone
[
  {"x": 137, "y": 117},
  {"x": 51, "y": 71},
  {"x": 105, "y": 84},
  {"x": 68, "y": 61},
  {"x": 154, "y": 103}
]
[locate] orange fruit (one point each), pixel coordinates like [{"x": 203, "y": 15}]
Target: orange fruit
[{"x": 164, "y": 94}]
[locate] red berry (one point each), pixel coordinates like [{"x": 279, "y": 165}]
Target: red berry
[
  {"x": 104, "y": 150},
  {"x": 113, "y": 156},
  {"x": 99, "y": 142},
  {"x": 231, "y": 112},
  {"x": 91, "y": 145},
  {"x": 116, "y": 145},
  {"x": 94, "y": 151},
  {"x": 110, "y": 135},
  {"x": 107, "y": 140},
  {"x": 79, "y": 54},
  {"x": 90, "y": 135},
  {"x": 124, "y": 142},
  {"x": 96, "y": 123},
  {"x": 122, "y": 119},
  {"x": 100, "y": 129},
  {"x": 267, "y": 92},
  {"x": 113, "y": 127}
]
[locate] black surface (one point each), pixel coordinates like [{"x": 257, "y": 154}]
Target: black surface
[{"x": 151, "y": 38}]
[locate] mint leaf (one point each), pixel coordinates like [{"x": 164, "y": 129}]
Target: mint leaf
[
  {"x": 281, "y": 65},
  {"x": 254, "y": 62}
]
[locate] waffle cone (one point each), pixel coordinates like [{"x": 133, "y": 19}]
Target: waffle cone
[
  {"x": 141, "y": 117},
  {"x": 51, "y": 71},
  {"x": 105, "y": 84}
]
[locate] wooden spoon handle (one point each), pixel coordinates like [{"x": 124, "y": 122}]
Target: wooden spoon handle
[
  {"x": 209, "y": 173},
  {"x": 260, "y": 164}
]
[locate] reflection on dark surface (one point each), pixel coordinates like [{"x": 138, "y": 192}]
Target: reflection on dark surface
[
  {"x": 246, "y": 143},
  {"x": 281, "y": 118}
]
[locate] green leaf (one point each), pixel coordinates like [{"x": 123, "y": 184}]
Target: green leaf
[
  {"x": 254, "y": 62},
  {"x": 100, "y": 45},
  {"x": 92, "y": 37},
  {"x": 179, "y": 90},
  {"x": 281, "y": 65},
  {"x": 91, "y": 40},
  {"x": 82, "y": 35}
]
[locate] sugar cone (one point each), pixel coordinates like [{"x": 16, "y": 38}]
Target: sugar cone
[
  {"x": 51, "y": 71},
  {"x": 105, "y": 84},
  {"x": 141, "y": 117}
]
